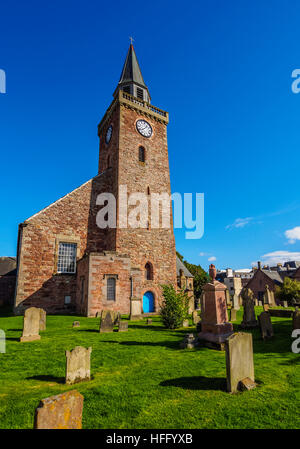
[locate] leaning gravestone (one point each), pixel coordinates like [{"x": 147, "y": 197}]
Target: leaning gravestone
[
  {"x": 63, "y": 411},
  {"x": 249, "y": 318},
  {"x": 43, "y": 316},
  {"x": 185, "y": 323},
  {"x": 123, "y": 326},
  {"x": 107, "y": 321},
  {"x": 232, "y": 314},
  {"x": 31, "y": 326},
  {"x": 296, "y": 319},
  {"x": 265, "y": 324},
  {"x": 239, "y": 362},
  {"x": 196, "y": 317},
  {"x": 78, "y": 366}
]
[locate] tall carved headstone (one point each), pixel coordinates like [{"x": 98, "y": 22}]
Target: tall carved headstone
[
  {"x": 43, "y": 317},
  {"x": 236, "y": 302},
  {"x": 63, "y": 411},
  {"x": 215, "y": 327},
  {"x": 239, "y": 362},
  {"x": 107, "y": 321},
  {"x": 31, "y": 326},
  {"x": 78, "y": 367},
  {"x": 265, "y": 325},
  {"x": 249, "y": 318}
]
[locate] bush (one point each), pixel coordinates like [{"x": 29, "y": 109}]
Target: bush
[
  {"x": 174, "y": 307},
  {"x": 289, "y": 291}
]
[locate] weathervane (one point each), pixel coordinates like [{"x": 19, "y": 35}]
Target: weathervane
[{"x": 131, "y": 39}]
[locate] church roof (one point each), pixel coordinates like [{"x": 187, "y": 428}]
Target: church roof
[
  {"x": 131, "y": 71},
  {"x": 8, "y": 266},
  {"x": 180, "y": 266}
]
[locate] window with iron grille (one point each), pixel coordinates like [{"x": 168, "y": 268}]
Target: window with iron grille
[
  {"x": 141, "y": 154},
  {"x": 66, "y": 262},
  {"x": 111, "y": 289},
  {"x": 140, "y": 93}
]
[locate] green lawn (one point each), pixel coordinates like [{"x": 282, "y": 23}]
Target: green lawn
[{"x": 141, "y": 379}]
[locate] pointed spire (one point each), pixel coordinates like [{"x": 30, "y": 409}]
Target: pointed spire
[{"x": 131, "y": 79}]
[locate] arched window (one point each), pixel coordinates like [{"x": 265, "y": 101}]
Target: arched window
[
  {"x": 142, "y": 154},
  {"x": 111, "y": 289},
  {"x": 148, "y": 271}
]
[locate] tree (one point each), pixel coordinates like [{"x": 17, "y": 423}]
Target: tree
[
  {"x": 289, "y": 291},
  {"x": 201, "y": 277},
  {"x": 174, "y": 308}
]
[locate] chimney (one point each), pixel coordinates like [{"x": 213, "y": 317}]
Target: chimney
[{"x": 259, "y": 265}]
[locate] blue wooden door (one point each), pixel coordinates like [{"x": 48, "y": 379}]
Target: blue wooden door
[{"x": 148, "y": 302}]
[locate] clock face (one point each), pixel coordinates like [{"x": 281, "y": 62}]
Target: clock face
[
  {"x": 144, "y": 128},
  {"x": 108, "y": 134}
]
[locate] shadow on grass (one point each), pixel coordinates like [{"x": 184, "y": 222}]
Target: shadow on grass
[
  {"x": 166, "y": 344},
  {"x": 47, "y": 378},
  {"x": 12, "y": 339},
  {"x": 196, "y": 383}
]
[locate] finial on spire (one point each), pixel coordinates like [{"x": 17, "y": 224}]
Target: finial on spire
[{"x": 131, "y": 39}]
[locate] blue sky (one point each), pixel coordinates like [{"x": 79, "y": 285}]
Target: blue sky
[{"x": 221, "y": 69}]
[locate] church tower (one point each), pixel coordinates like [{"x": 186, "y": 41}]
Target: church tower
[{"x": 134, "y": 148}]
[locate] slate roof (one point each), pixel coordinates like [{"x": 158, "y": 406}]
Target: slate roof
[
  {"x": 131, "y": 71},
  {"x": 180, "y": 266},
  {"x": 8, "y": 266},
  {"x": 274, "y": 275}
]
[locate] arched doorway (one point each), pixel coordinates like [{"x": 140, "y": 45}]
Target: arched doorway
[{"x": 148, "y": 302}]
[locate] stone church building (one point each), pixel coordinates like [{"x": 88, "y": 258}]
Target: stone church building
[{"x": 65, "y": 262}]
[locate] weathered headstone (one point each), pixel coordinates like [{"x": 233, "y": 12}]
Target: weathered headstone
[
  {"x": 117, "y": 318},
  {"x": 31, "y": 326},
  {"x": 285, "y": 304},
  {"x": 249, "y": 318},
  {"x": 76, "y": 324},
  {"x": 149, "y": 321},
  {"x": 2, "y": 342},
  {"x": 107, "y": 321},
  {"x": 269, "y": 297},
  {"x": 196, "y": 317},
  {"x": 296, "y": 319},
  {"x": 190, "y": 341},
  {"x": 135, "y": 309},
  {"x": 266, "y": 307},
  {"x": 43, "y": 317},
  {"x": 235, "y": 302},
  {"x": 123, "y": 326},
  {"x": 63, "y": 411},
  {"x": 78, "y": 366},
  {"x": 265, "y": 325},
  {"x": 215, "y": 327},
  {"x": 239, "y": 362},
  {"x": 233, "y": 314},
  {"x": 185, "y": 323},
  {"x": 228, "y": 300}
]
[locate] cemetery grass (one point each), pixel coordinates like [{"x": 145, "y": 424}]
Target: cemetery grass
[{"x": 141, "y": 379}]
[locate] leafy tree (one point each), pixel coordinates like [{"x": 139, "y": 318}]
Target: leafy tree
[
  {"x": 289, "y": 291},
  {"x": 201, "y": 277},
  {"x": 174, "y": 307}
]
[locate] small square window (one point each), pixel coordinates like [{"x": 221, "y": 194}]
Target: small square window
[
  {"x": 67, "y": 299},
  {"x": 66, "y": 262}
]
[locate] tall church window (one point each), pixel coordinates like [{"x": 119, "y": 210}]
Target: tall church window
[
  {"x": 148, "y": 271},
  {"x": 142, "y": 154},
  {"x": 66, "y": 262},
  {"x": 111, "y": 289}
]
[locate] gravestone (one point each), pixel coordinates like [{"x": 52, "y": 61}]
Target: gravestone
[
  {"x": 185, "y": 323},
  {"x": 117, "y": 318},
  {"x": 236, "y": 302},
  {"x": 190, "y": 341},
  {"x": 78, "y": 366},
  {"x": 281, "y": 313},
  {"x": 149, "y": 321},
  {"x": 239, "y": 362},
  {"x": 107, "y": 321},
  {"x": 63, "y": 411},
  {"x": 196, "y": 317},
  {"x": 228, "y": 300},
  {"x": 135, "y": 309},
  {"x": 232, "y": 314},
  {"x": 296, "y": 319},
  {"x": 265, "y": 325},
  {"x": 123, "y": 326},
  {"x": 2, "y": 342},
  {"x": 43, "y": 316},
  {"x": 215, "y": 327},
  {"x": 285, "y": 304},
  {"x": 269, "y": 297},
  {"x": 266, "y": 307},
  {"x": 249, "y": 318},
  {"x": 31, "y": 326},
  {"x": 76, "y": 324}
]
